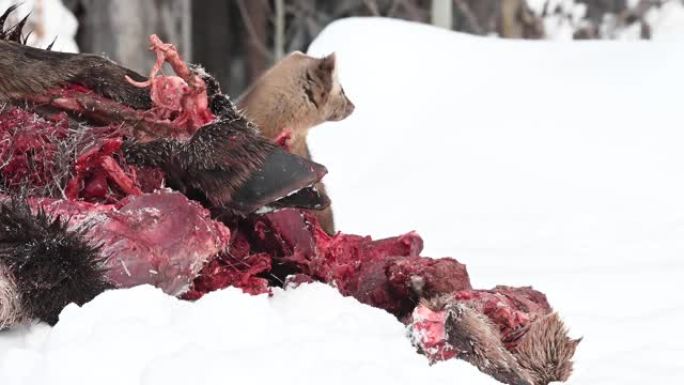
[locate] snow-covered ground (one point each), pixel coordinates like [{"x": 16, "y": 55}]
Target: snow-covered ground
[
  {"x": 307, "y": 336},
  {"x": 552, "y": 164},
  {"x": 555, "y": 164}
]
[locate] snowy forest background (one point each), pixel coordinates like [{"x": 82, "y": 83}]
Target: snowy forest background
[{"x": 238, "y": 39}]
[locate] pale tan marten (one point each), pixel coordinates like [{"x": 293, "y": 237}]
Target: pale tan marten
[{"x": 297, "y": 93}]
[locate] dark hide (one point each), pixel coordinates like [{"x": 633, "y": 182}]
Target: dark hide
[{"x": 51, "y": 265}]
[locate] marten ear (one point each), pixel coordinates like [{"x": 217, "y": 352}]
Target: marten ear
[
  {"x": 325, "y": 71},
  {"x": 328, "y": 63}
]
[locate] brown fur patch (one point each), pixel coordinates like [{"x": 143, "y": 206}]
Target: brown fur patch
[
  {"x": 546, "y": 350},
  {"x": 479, "y": 342}
]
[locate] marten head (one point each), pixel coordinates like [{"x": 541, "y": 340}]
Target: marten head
[
  {"x": 297, "y": 93},
  {"x": 325, "y": 90}
]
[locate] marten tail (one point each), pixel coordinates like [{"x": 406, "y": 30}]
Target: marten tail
[{"x": 43, "y": 266}]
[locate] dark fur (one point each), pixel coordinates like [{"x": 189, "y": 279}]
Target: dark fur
[
  {"x": 14, "y": 33},
  {"x": 220, "y": 103},
  {"x": 26, "y": 71},
  {"x": 216, "y": 161},
  {"x": 51, "y": 265}
]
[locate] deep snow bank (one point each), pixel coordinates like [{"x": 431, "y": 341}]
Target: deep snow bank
[
  {"x": 310, "y": 335},
  {"x": 556, "y": 164}
]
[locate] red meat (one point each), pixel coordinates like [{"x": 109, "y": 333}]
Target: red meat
[
  {"x": 162, "y": 239},
  {"x": 182, "y": 100}
]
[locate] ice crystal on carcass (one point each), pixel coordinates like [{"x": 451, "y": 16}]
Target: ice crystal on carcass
[
  {"x": 162, "y": 239},
  {"x": 32, "y": 151}
]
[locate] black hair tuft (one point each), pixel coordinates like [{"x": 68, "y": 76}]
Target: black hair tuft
[{"x": 52, "y": 266}]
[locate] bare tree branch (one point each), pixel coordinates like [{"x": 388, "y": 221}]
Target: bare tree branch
[{"x": 470, "y": 18}]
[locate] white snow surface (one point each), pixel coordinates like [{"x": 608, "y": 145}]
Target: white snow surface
[
  {"x": 310, "y": 335},
  {"x": 552, "y": 164},
  {"x": 557, "y": 165},
  {"x": 49, "y": 20},
  {"x": 667, "y": 21}
]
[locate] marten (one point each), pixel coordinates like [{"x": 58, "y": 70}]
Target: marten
[{"x": 297, "y": 93}]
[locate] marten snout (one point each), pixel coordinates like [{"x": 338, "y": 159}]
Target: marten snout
[{"x": 342, "y": 108}]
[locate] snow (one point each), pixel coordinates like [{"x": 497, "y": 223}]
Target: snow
[
  {"x": 667, "y": 21},
  {"x": 310, "y": 335},
  {"x": 562, "y": 17},
  {"x": 60, "y": 25},
  {"x": 555, "y": 164}
]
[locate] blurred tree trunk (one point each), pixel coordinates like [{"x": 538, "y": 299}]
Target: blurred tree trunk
[
  {"x": 120, "y": 28},
  {"x": 506, "y": 18},
  {"x": 597, "y": 8},
  {"x": 442, "y": 13},
  {"x": 213, "y": 38},
  {"x": 255, "y": 14},
  {"x": 279, "y": 30},
  {"x": 517, "y": 21},
  {"x": 509, "y": 25}
]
